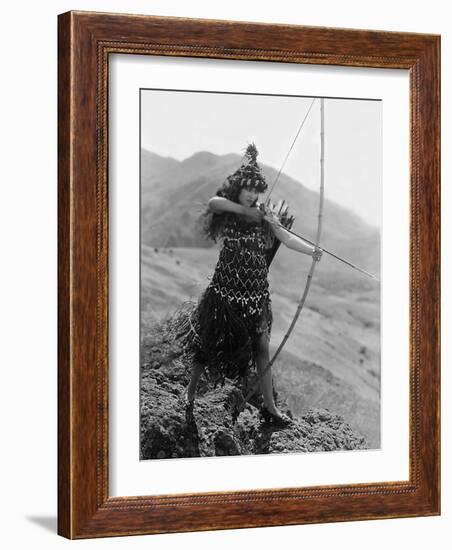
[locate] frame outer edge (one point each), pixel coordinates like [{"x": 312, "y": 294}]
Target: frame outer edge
[
  {"x": 85, "y": 261},
  {"x": 425, "y": 274},
  {"x": 432, "y": 269},
  {"x": 64, "y": 289},
  {"x": 438, "y": 175}
]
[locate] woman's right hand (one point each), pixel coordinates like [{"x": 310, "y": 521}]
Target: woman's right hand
[
  {"x": 270, "y": 216},
  {"x": 253, "y": 214}
]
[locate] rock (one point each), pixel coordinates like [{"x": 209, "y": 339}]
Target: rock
[
  {"x": 225, "y": 444},
  {"x": 216, "y": 428}
]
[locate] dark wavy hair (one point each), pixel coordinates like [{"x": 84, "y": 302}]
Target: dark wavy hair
[{"x": 248, "y": 176}]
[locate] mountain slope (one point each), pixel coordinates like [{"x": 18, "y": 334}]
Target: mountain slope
[{"x": 174, "y": 194}]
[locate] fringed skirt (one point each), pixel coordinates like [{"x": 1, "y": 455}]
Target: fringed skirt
[{"x": 222, "y": 337}]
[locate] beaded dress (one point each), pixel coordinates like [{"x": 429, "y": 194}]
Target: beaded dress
[{"x": 222, "y": 329}]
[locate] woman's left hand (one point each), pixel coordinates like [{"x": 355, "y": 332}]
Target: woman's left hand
[{"x": 317, "y": 254}]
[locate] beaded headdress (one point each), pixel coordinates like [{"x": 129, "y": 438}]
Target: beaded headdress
[{"x": 249, "y": 175}]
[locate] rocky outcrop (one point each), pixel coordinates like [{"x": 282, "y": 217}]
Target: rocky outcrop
[{"x": 216, "y": 428}]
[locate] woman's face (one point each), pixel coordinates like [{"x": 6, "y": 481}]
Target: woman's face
[{"x": 248, "y": 197}]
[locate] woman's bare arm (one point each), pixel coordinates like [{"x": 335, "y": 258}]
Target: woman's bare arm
[
  {"x": 221, "y": 204},
  {"x": 291, "y": 241}
]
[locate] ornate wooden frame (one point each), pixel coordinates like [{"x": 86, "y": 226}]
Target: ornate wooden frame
[{"x": 84, "y": 44}]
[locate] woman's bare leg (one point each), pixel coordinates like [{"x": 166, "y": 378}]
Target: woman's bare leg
[
  {"x": 262, "y": 359},
  {"x": 196, "y": 371}
]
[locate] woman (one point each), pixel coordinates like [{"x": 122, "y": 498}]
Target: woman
[{"x": 229, "y": 329}]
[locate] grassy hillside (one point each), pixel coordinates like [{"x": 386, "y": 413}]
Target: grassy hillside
[{"x": 332, "y": 357}]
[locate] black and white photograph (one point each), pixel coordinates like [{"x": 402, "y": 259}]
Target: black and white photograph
[{"x": 259, "y": 274}]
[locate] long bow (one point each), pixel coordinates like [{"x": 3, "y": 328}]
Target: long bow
[{"x": 313, "y": 263}]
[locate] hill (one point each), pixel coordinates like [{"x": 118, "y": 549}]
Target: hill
[
  {"x": 332, "y": 359},
  {"x": 174, "y": 194}
]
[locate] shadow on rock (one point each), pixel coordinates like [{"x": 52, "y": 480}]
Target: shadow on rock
[{"x": 191, "y": 434}]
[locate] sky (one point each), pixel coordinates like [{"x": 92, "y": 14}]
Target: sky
[{"x": 178, "y": 124}]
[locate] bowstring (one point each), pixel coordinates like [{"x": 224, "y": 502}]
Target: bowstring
[{"x": 290, "y": 150}]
